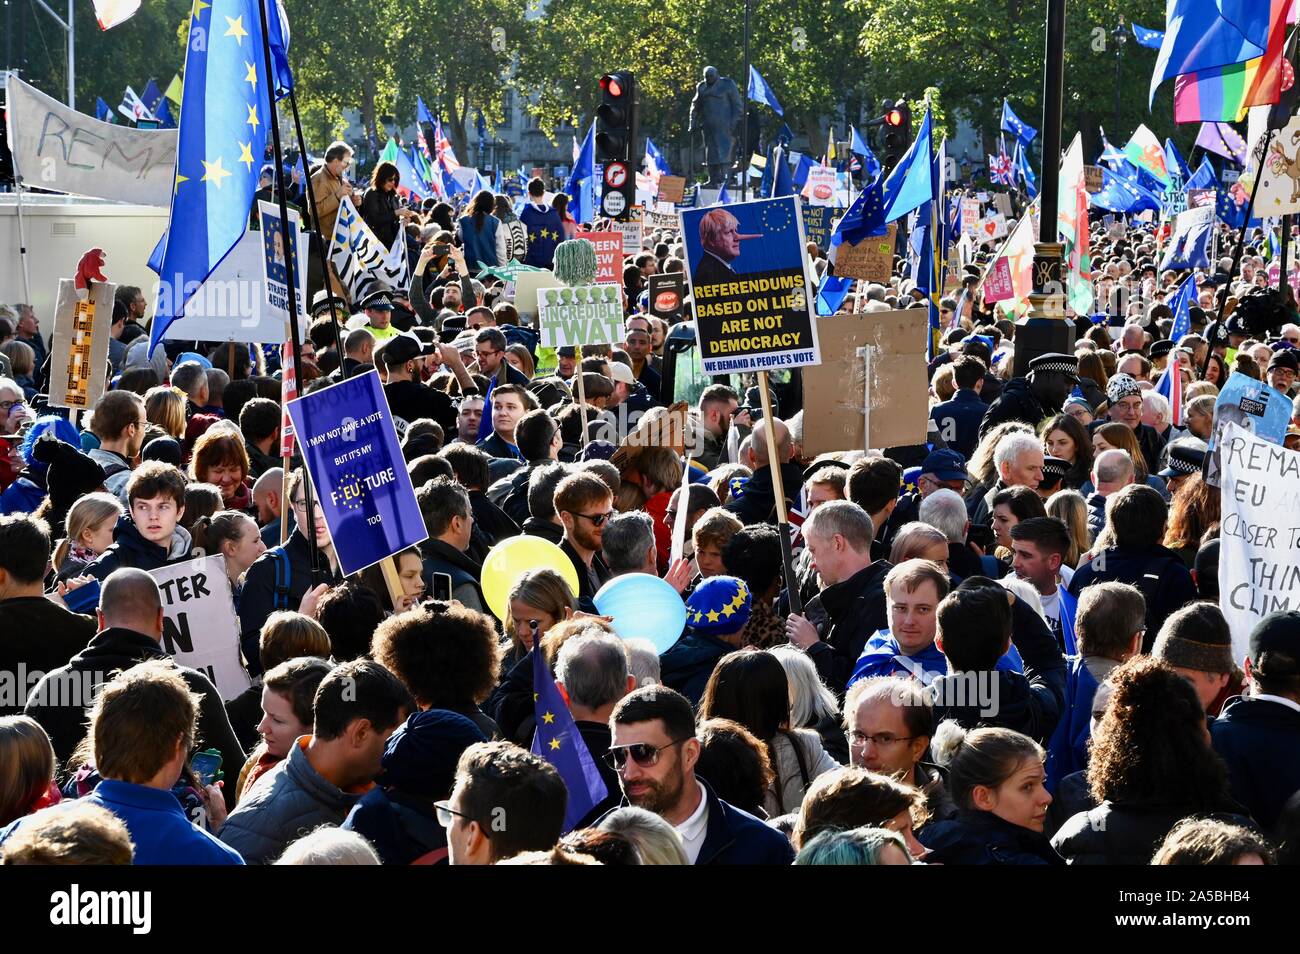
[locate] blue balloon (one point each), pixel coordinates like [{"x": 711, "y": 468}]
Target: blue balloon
[{"x": 643, "y": 607}]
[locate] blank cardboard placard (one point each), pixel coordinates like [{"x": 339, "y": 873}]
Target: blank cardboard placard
[
  {"x": 672, "y": 188},
  {"x": 526, "y": 285},
  {"x": 872, "y": 259},
  {"x": 833, "y": 391}
]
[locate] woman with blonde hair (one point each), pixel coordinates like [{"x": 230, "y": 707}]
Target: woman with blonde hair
[
  {"x": 656, "y": 841},
  {"x": 27, "y": 782},
  {"x": 90, "y": 523},
  {"x": 164, "y": 406},
  {"x": 812, "y": 704},
  {"x": 1069, "y": 507},
  {"x": 540, "y": 597}
]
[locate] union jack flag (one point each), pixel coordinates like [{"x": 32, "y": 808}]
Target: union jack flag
[{"x": 1000, "y": 169}]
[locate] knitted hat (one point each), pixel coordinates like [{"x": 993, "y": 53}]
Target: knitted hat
[
  {"x": 165, "y": 449},
  {"x": 1121, "y": 386},
  {"x": 1209, "y": 653},
  {"x": 70, "y": 472},
  {"x": 720, "y": 605}
]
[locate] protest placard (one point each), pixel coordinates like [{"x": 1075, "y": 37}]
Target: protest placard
[
  {"x": 666, "y": 291},
  {"x": 1093, "y": 179},
  {"x": 57, "y": 148},
  {"x": 1259, "y": 532},
  {"x": 526, "y": 286},
  {"x": 753, "y": 311},
  {"x": 817, "y": 223},
  {"x": 998, "y": 285},
  {"x": 231, "y": 303},
  {"x": 672, "y": 188},
  {"x": 288, "y": 391},
  {"x": 609, "y": 254},
  {"x": 1196, "y": 198},
  {"x": 872, "y": 259},
  {"x": 275, "y": 275},
  {"x": 633, "y": 229},
  {"x": 200, "y": 629},
  {"x": 1292, "y": 276},
  {"x": 661, "y": 218},
  {"x": 349, "y": 443},
  {"x": 571, "y": 316},
  {"x": 79, "y": 352},
  {"x": 992, "y": 227},
  {"x": 1002, "y": 202},
  {"x": 1253, "y": 406},
  {"x": 819, "y": 189},
  {"x": 970, "y": 215}
]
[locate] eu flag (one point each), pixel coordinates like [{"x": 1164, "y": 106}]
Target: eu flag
[
  {"x": 1180, "y": 305},
  {"x": 222, "y": 141},
  {"x": 581, "y": 186},
  {"x": 1026, "y": 172},
  {"x": 760, "y": 92},
  {"x": 422, "y": 112},
  {"x": 1147, "y": 37},
  {"x": 557, "y": 740},
  {"x": 1204, "y": 177},
  {"x": 1011, "y": 123},
  {"x": 871, "y": 167},
  {"x": 103, "y": 112},
  {"x": 831, "y": 294}
]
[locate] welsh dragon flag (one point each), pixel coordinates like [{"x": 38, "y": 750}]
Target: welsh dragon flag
[
  {"x": 1144, "y": 150},
  {"x": 1072, "y": 228}
]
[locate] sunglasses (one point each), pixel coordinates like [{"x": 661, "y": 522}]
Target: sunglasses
[
  {"x": 597, "y": 519},
  {"x": 642, "y": 753}
]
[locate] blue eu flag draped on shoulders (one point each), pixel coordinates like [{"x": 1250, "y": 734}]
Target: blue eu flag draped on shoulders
[
  {"x": 558, "y": 740},
  {"x": 222, "y": 141}
]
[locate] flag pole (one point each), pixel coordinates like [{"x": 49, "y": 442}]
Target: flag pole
[
  {"x": 290, "y": 265},
  {"x": 1282, "y": 283},
  {"x": 743, "y": 151},
  {"x": 782, "y": 519},
  {"x": 313, "y": 225},
  {"x": 1236, "y": 254}
]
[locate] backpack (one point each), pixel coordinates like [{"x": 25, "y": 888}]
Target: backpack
[{"x": 283, "y": 578}]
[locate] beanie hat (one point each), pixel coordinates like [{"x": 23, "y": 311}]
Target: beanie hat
[
  {"x": 720, "y": 605},
  {"x": 70, "y": 473},
  {"x": 1209, "y": 653},
  {"x": 165, "y": 449},
  {"x": 1121, "y": 386},
  {"x": 56, "y": 428}
]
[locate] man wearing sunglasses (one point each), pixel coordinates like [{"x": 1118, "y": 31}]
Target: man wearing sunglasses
[
  {"x": 584, "y": 503},
  {"x": 654, "y": 752}
]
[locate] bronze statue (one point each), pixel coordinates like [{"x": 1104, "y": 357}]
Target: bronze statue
[{"x": 716, "y": 110}]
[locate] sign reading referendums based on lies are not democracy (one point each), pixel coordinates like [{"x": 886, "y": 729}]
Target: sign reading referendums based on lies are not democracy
[
  {"x": 752, "y": 308},
  {"x": 355, "y": 463}
]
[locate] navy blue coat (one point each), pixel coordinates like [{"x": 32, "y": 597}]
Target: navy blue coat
[
  {"x": 982, "y": 838},
  {"x": 1160, "y": 574},
  {"x": 959, "y": 419},
  {"x": 687, "y": 665},
  {"x": 1260, "y": 741}
]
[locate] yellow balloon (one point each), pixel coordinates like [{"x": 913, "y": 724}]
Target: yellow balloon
[{"x": 510, "y": 559}]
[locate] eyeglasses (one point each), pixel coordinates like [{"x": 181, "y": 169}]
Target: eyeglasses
[
  {"x": 445, "y": 813},
  {"x": 879, "y": 740},
  {"x": 7, "y": 406},
  {"x": 597, "y": 519},
  {"x": 642, "y": 753}
]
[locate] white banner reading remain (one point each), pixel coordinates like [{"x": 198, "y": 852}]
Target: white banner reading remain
[{"x": 1259, "y": 550}]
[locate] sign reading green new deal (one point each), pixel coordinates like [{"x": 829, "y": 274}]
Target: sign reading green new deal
[{"x": 580, "y": 315}]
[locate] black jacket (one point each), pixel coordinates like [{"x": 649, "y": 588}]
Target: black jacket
[
  {"x": 466, "y": 575},
  {"x": 1160, "y": 574},
  {"x": 515, "y": 502},
  {"x": 687, "y": 665},
  {"x": 589, "y": 580},
  {"x": 379, "y": 210},
  {"x": 412, "y": 401},
  {"x": 130, "y": 549},
  {"x": 39, "y": 635},
  {"x": 546, "y": 529},
  {"x": 846, "y": 616},
  {"x": 494, "y": 445},
  {"x": 111, "y": 650},
  {"x": 1031, "y": 703},
  {"x": 598, "y": 739},
  {"x": 1112, "y": 834},
  {"x": 758, "y": 504},
  {"x": 982, "y": 838},
  {"x": 510, "y": 704},
  {"x": 257, "y": 599},
  {"x": 491, "y": 520},
  {"x": 1260, "y": 741},
  {"x": 1016, "y": 403}
]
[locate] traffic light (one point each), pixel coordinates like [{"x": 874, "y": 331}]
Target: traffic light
[
  {"x": 897, "y": 121},
  {"x": 616, "y": 128}
]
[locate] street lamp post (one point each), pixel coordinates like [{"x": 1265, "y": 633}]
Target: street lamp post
[
  {"x": 1045, "y": 329},
  {"x": 742, "y": 149}
]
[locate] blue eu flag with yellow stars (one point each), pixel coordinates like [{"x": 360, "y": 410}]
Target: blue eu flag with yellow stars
[
  {"x": 558, "y": 740},
  {"x": 222, "y": 142}
]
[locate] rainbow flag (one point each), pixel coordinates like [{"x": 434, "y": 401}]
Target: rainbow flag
[{"x": 1223, "y": 94}]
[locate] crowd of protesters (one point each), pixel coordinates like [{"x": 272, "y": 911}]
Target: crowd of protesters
[{"x": 1010, "y": 649}]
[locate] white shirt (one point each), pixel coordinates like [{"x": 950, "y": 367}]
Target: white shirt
[{"x": 696, "y": 827}]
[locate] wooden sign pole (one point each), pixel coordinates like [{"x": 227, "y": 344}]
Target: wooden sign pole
[{"x": 778, "y": 488}]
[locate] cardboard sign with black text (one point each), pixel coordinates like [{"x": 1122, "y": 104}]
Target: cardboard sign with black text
[
  {"x": 872, "y": 259},
  {"x": 200, "y": 629},
  {"x": 666, "y": 293},
  {"x": 79, "y": 349}
]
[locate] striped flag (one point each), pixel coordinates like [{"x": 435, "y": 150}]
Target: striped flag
[{"x": 1171, "y": 386}]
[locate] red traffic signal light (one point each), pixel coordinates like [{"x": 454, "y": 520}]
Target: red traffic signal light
[
  {"x": 894, "y": 117},
  {"x": 610, "y": 83}
]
